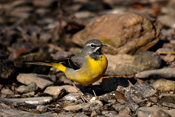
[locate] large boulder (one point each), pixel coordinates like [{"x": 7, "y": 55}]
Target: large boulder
[{"x": 124, "y": 33}]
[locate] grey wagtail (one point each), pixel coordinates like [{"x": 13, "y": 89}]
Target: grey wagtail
[{"x": 89, "y": 65}]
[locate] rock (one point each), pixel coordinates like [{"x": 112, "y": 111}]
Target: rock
[
  {"x": 164, "y": 85},
  {"x": 123, "y": 64},
  {"x": 147, "y": 60},
  {"x": 123, "y": 116},
  {"x": 164, "y": 50},
  {"x": 69, "y": 88},
  {"x": 6, "y": 91},
  {"x": 110, "y": 101},
  {"x": 76, "y": 107},
  {"x": 27, "y": 101},
  {"x": 167, "y": 20},
  {"x": 159, "y": 113},
  {"x": 108, "y": 105},
  {"x": 7, "y": 111},
  {"x": 171, "y": 112},
  {"x": 123, "y": 89},
  {"x": 29, "y": 88},
  {"x": 125, "y": 111},
  {"x": 139, "y": 92},
  {"x": 38, "y": 80},
  {"x": 52, "y": 77},
  {"x": 80, "y": 115},
  {"x": 167, "y": 100},
  {"x": 120, "y": 97},
  {"x": 148, "y": 104},
  {"x": 56, "y": 90},
  {"x": 167, "y": 104},
  {"x": 134, "y": 95},
  {"x": 167, "y": 53},
  {"x": 146, "y": 89},
  {"x": 30, "y": 94},
  {"x": 133, "y": 106},
  {"x": 154, "y": 112},
  {"x": 153, "y": 99},
  {"x": 118, "y": 62},
  {"x": 91, "y": 106},
  {"x": 94, "y": 105},
  {"x": 123, "y": 33},
  {"x": 65, "y": 115},
  {"x": 107, "y": 96},
  {"x": 118, "y": 106},
  {"x": 41, "y": 108},
  {"x": 109, "y": 113},
  {"x": 159, "y": 73},
  {"x": 69, "y": 97},
  {"x": 125, "y": 108},
  {"x": 84, "y": 14},
  {"x": 93, "y": 114}
]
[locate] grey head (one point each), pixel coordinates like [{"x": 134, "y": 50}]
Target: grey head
[{"x": 93, "y": 47}]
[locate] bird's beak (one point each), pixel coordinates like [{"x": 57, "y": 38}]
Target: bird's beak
[{"x": 104, "y": 46}]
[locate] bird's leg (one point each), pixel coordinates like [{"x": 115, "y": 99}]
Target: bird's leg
[
  {"x": 94, "y": 92},
  {"x": 80, "y": 93}
]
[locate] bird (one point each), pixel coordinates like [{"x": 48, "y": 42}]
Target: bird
[{"x": 86, "y": 67}]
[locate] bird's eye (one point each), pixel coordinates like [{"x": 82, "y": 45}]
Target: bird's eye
[{"x": 93, "y": 45}]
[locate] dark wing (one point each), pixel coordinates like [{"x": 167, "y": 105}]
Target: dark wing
[{"x": 73, "y": 62}]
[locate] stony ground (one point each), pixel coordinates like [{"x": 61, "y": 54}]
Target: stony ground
[{"x": 140, "y": 37}]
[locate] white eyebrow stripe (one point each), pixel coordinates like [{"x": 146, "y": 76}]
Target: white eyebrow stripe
[{"x": 89, "y": 44}]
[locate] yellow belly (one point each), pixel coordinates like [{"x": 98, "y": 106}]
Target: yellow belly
[{"x": 90, "y": 72}]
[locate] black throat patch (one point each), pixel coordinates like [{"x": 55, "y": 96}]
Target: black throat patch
[{"x": 95, "y": 56}]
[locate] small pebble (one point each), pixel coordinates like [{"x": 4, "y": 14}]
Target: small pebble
[
  {"x": 24, "y": 89},
  {"x": 153, "y": 99},
  {"x": 93, "y": 114},
  {"x": 6, "y": 91},
  {"x": 125, "y": 111},
  {"x": 93, "y": 98},
  {"x": 70, "y": 97},
  {"x": 148, "y": 104},
  {"x": 42, "y": 108}
]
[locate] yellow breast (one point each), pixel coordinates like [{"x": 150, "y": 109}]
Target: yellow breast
[
  {"x": 97, "y": 67},
  {"x": 90, "y": 72}
]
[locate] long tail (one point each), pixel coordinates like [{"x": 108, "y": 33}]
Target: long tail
[{"x": 59, "y": 66}]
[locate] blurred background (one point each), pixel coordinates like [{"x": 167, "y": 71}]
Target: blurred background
[{"x": 48, "y": 25}]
